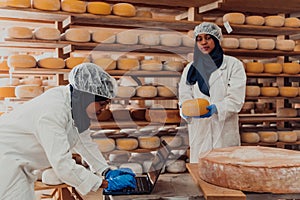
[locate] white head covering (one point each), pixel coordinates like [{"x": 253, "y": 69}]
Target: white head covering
[
  {"x": 208, "y": 28},
  {"x": 90, "y": 78}
]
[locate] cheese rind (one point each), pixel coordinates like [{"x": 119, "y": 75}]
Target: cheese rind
[
  {"x": 147, "y": 91},
  {"x": 230, "y": 43},
  {"x": 127, "y": 143},
  {"x": 50, "y": 5},
  {"x": 276, "y": 21},
  {"x": 124, "y": 10},
  {"x": 250, "y": 137},
  {"x": 21, "y": 61},
  {"x": 28, "y": 91},
  {"x": 47, "y": 33},
  {"x": 234, "y": 18},
  {"x": 273, "y": 68},
  {"x": 195, "y": 107},
  {"x": 99, "y": 8},
  {"x": 19, "y": 32},
  {"x": 52, "y": 63},
  {"x": 77, "y": 35},
  {"x": 73, "y": 6},
  {"x": 248, "y": 43},
  {"x": 255, "y": 20}
]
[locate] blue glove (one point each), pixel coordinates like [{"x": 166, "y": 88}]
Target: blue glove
[
  {"x": 118, "y": 172},
  {"x": 121, "y": 182},
  {"x": 212, "y": 109}
]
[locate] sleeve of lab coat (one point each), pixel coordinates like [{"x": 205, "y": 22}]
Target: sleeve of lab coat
[{"x": 51, "y": 134}]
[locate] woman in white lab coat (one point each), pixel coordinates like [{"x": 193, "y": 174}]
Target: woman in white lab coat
[
  {"x": 220, "y": 79},
  {"x": 44, "y": 131}
]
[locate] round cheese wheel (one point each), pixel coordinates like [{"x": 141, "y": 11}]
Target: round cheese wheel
[
  {"x": 255, "y": 20},
  {"x": 127, "y": 143},
  {"x": 166, "y": 91},
  {"x": 265, "y": 44},
  {"x": 248, "y": 43},
  {"x": 7, "y": 91},
  {"x": 135, "y": 167},
  {"x": 268, "y": 136},
  {"x": 254, "y": 67},
  {"x": 291, "y": 68},
  {"x": 293, "y": 22},
  {"x": 172, "y": 141},
  {"x": 128, "y": 64},
  {"x": 288, "y": 91},
  {"x": 105, "y": 37},
  {"x": 252, "y": 91},
  {"x": 194, "y": 107},
  {"x": 234, "y": 18},
  {"x": 143, "y": 14},
  {"x": 125, "y": 91},
  {"x": 274, "y": 68},
  {"x": 105, "y": 63},
  {"x": 72, "y": 62},
  {"x": 188, "y": 41},
  {"x": 47, "y": 33},
  {"x": 19, "y": 3},
  {"x": 73, "y": 6},
  {"x": 285, "y": 45},
  {"x": 176, "y": 166},
  {"x": 32, "y": 81},
  {"x": 9, "y": 81},
  {"x": 269, "y": 91},
  {"x": 149, "y": 142},
  {"x": 28, "y": 91},
  {"x": 127, "y": 37},
  {"x": 21, "y": 61},
  {"x": 176, "y": 66},
  {"x": 49, "y": 5},
  {"x": 298, "y": 134},
  {"x": 275, "y": 20},
  {"x": 105, "y": 144},
  {"x": 147, "y": 91},
  {"x": 77, "y": 35},
  {"x": 151, "y": 65},
  {"x": 4, "y": 65},
  {"x": 124, "y": 10},
  {"x": 287, "y": 136},
  {"x": 19, "y": 32},
  {"x": 170, "y": 39},
  {"x": 286, "y": 112},
  {"x": 99, "y": 8},
  {"x": 51, "y": 63},
  {"x": 149, "y": 39},
  {"x": 250, "y": 137},
  {"x": 158, "y": 115},
  {"x": 230, "y": 43},
  {"x": 49, "y": 177}
]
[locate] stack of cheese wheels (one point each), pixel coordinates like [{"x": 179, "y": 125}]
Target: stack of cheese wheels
[
  {"x": 293, "y": 22},
  {"x": 170, "y": 39},
  {"x": 77, "y": 35},
  {"x": 273, "y": 68},
  {"x": 176, "y": 166},
  {"x": 105, "y": 144},
  {"x": 49, "y": 5},
  {"x": 47, "y": 33},
  {"x": 149, "y": 142},
  {"x": 51, "y": 63},
  {"x": 160, "y": 115},
  {"x": 255, "y": 20},
  {"x": 250, "y": 137},
  {"x": 127, "y": 143},
  {"x": 106, "y": 37},
  {"x": 4, "y": 65},
  {"x": 269, "y": 91},
  {"x": 19, "y": 32},
  {"x": 106, "y": 63},
  {"x": 149, "y": 39},
  {"x": 248, "y": 43},
  {"x": 28, "y": 91},
  {"x": 254, "y": 67},
  {"x": 99, "y": 8},
  {"x": 125, "y": 91},
  {"x": 31, "y": 81},
  {"x": 166, "y": 91},
  {"x": 285, "y": 45},
  {"x": 234, "y": 18},
  {"x": 291, "y": 68},
  {"x": 7, "y": 91},
  {"x": 287, "y": 136},
  {"x": 144, "y": 14},
  {"x": 151, "y": 65},
  {"x": 288, "y": 91},
  {"x": 135, "y": 167},
  {"x": 21, "y": 61},
  {"x": 276, "y": 21},
  {"x": 146, "y": 91},
  {"x": 230, "y": 43},
  {"x": 73, "y": 6},
  {"x": 9, "y": 81},
  {"x": 172, "y": 141},
  {"x": 128, "y": 64},
  {"x": 176, "y": 66},
  {"x": 128, "y": 37},
  {"x": 253, "y": 169},
  {"x": 104, "y": 115},
  {"x": 124, "y": 10},
  {"x": 18, "y": 3},
  {"x": 252, "y": 91},
  {"x": 286, "y": 112},
  {"x": 72, "y": 62},
  {"x": 265, "y": 44},
  {"x": 268, "y": 136},
  {"x": 194, "y": 107}
]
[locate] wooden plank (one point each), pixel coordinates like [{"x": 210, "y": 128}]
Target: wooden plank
[
  {"x": 267, "y": 119},
  {"x": 272, "y": 75},
  {"x": 212, "y": 192}
]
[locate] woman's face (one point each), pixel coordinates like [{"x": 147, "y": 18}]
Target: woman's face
[
  {"x": 95, "y": 108},
  {"x": 205, "y": 43}
]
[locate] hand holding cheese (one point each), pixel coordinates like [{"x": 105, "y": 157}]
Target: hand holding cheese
[
  {"x": 195, "y": 107},
  {"x": 212, "y": 109}
]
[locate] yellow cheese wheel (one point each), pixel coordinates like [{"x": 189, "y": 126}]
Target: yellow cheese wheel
[
  {"x": 28, "y": 91},
  {"x": 255, "y": 20},
  {"x": 31, "y": 81},
  {"x": 291, "y": 68},
  {"x": 9, "y": 81},
  {"x": 269, "y": 91},
  {"x": 125, "y": 91},
  {"x": 166, "y": 91},
  {"x": 288, "y": 91},
  {"x": 151, "y": 65},
  {"x": 127, "y": 143},
  {"x": 127, "y": 37},
  {"x": 194, "y": 107},
  {"x": 275, "y": 20},
  {"x": 274, "y": 68},
  {"x": 293, "y": 22},
  {"x": 19, "y": 32},
  {"x": 286, "y": 112},
  {"x": 7, "y": 91},
  {"x": 50, "y": 5},
  {"x": 285, "y": 45},
  {"x": 160, "y": 115},
  {"x": 124, "y": 10},
  {"x": 105, "y": 144},
  {"x": 248, "y": 43},
  {"x": 19, "y": 3},
  {"x": 47, "y": 33},
  {"x": 254, "y": 67},
  {"x": 106, "y": 37},
  {"x": 143, "y": 14},
  {"x": 265, "y": 44},
  {"x": 21, "y": 61},
  {"x": 234, "y": 18},
  {"x": 77, "y": 35},
  {"x": 230, "y": 43},
  {"x": 188, "y": 41},
  {"x": 268, "y": 136},
  {"x": 252, "y": 91},
  {"x": 250, "y": 137},
  {"x": 172, "y": 141},
  {"x": 52, "y": 63},
  {"x": 71, "y": 62},
  {"x": 176, "y": 66},
  {"x": 146, "y": 91},
  {"x": 287, "y": 136},
  {"x": 149, "y": 39},
  {"x": 106, "y": 63},
  {"x": 149, "y": 142},
  {"x": 73, "y": 6},
  {"x": 170, "y": 39},
  {"x": 99, "y": 8},
  {"x": 4, "y": 65},
  {"x": 128, "y": 64}
]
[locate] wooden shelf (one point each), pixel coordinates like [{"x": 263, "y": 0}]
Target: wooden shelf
[
  {"x": 124, "y": 124},
  {"x": 259, "y": 53},
  {"x": 144, "y": 98},
  {"x": 272, "y": 75},
  {"x": 275, "y": 144},
  {"x": 267, "y": 119},
  {"x": 273, "y": 98},
  {"x": 142, "y": 73},
  {"x": 40, "y": 71}
]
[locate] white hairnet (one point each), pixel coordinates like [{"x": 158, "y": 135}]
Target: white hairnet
[
  {"x": 90, "y": 78},
  {"x": 208, "y": 28}
]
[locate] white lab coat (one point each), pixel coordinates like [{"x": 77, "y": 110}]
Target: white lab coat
[
  {"x": 227, "y": 92},
  {"x": 41, "y": 134}
]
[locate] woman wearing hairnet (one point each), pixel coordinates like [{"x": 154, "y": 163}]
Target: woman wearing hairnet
[
  {"x": 42, "y": 132},
  {"x": 220, "y": 79}
]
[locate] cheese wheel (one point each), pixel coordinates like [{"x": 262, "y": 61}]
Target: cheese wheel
[
  {"x": 293, "y": 22},
  {"x": 172, "y": 141},
  {"x": 269, "y": 91},
  {"x": 274, "y": 68},
  {"x": 19, "y": 3},
  {"x": 176, "y": 166},
  {"x": 77, "y": 35},
  {"x": 49, "y": 5},
  {"x": 176, "y": 66},
  {"x": 135, "y": 167},
  {"x": 195, "y": 107},
  {"x": 21, "y": 61},
  {"x": 7, "y": 91},
  {"x": 287, "y": 136},
  {"x": 276, "y": 21},
  {"x": 28, "y": 91},
  {"x": 105, "y": 37},
  {"x": 149, "y": 39},
  {"x": 298, "y": 134},
  {"x": 72, "y": 62},
  {"x": 128, "y": 64},
  {"x": 127, "y": 143},
  {"x": 288, "y": 91},
  {"x": 158, "y": 115},
  {"x": 151, "y": 65},
  {"x": 125, "y": 91},
  {"x": 32, "y": 81},
  {"x": 149, "y": 142},
  {"x": 99, "y": 8},
  {"x": 166, "y": 91},
  {"x": 285, "y": 45},
  {"x": 127, "y": 37},
  {"x": 230, "y": 43},
  {"x": 248, "y": 43},
  {"x": 9, "y": 81},
  {"x": 170, "y": 39},
  {"x": 19, "y": 32},
  {"x": 4, "y": 65},
  {"x": 250, "y": 137},
  {"x": 286, "y": 112},
  {"x": 188, "y": 41},
  {"x": 124, "y": 10},
  {"x": 49, "y": 177},
  {"x": 143, "y": 14},
  {"x": 254, "y": 67},
  {"x": 51, "y": 63},
  {"x": 47, "y": 33},
  {"x": 73, "y": 6},
  {"x": 234, "y": 18},
  {"x": 291, "y": 68},
  {"x": 265, "y": 44},
  {"x": 106, "y": 63},
  {"x": 255, "y": 20},
  {"x": 105, "y": 144},
  {"x": 252, "y": 91},
  {"x": 146, "y": 91},
  {"x": 268, "y": 136}
]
